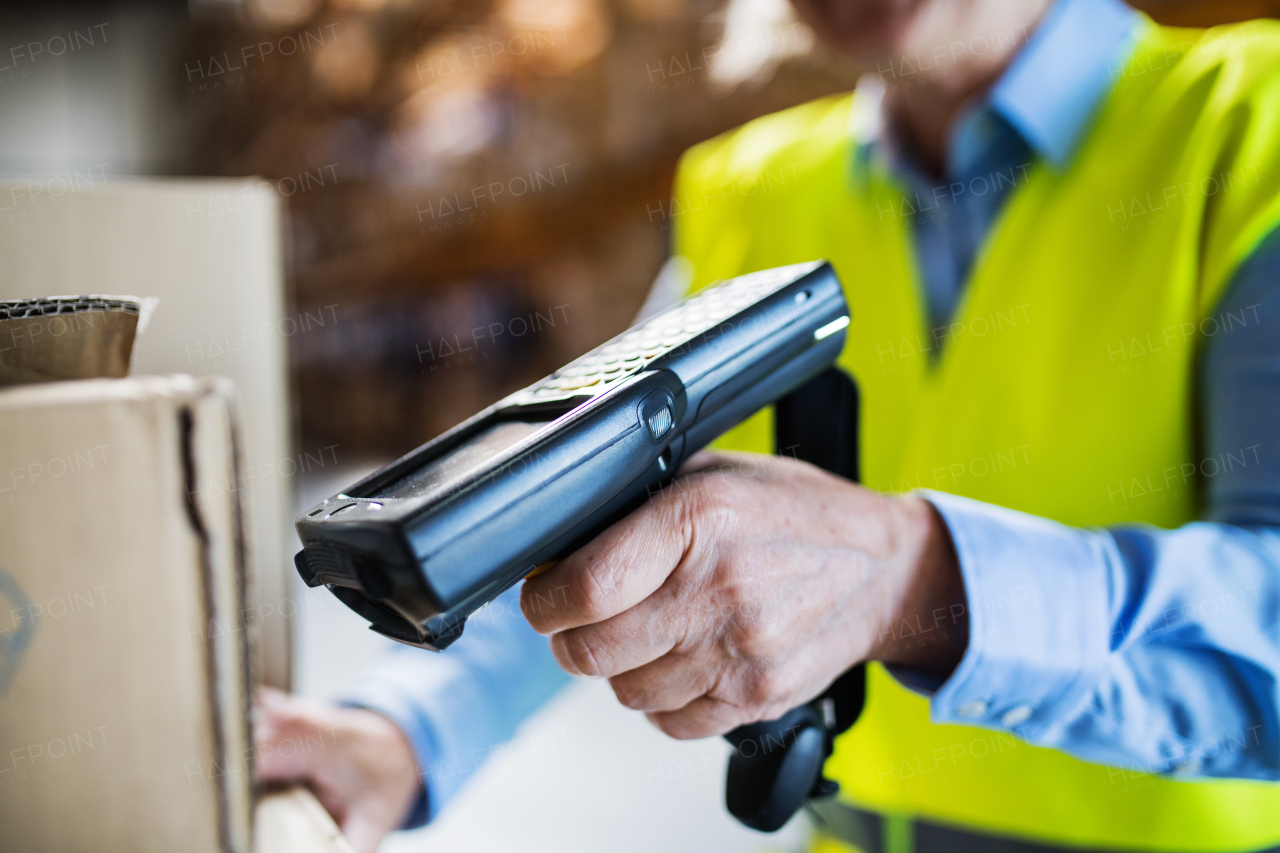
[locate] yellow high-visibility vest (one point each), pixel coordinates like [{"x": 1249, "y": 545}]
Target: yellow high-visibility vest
[{"x": 1063, "y": 386}]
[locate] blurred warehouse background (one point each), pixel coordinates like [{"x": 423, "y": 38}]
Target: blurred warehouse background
[{"x": 478, "y": 191}]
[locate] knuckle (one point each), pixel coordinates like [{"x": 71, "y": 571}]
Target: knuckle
[
  {"x": 765, "y": 687},
  {"x": 753, "y": 634},
  {"x": 677, "y": 726},
  {"x": 740, "y": 595},
  {"x": 580, "y": 653},
  {"x": 713, "y": 495},
  {"x": 630, "y": 693},
  {"x": 705, "y": 514},
  {"x": 591, "y": 590}
]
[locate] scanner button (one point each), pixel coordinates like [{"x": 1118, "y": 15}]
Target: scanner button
[
  {"x": 574, "y": 384},
  {"x": 659, "y": 422}
]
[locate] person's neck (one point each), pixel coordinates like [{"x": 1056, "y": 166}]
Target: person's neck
[{"x": 921, "y": 115}]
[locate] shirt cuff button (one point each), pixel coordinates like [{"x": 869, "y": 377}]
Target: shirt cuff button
[
  {"x": 1016, "y": 716},
  {"x": 973, "y": 708}
]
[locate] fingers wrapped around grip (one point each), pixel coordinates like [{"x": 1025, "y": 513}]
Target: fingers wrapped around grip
[
  {"x": 613, "y": 573},
  {"x": 743, "y": 590},
  {"x": 616, "y": 645}
]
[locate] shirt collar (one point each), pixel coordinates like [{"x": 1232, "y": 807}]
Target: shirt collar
[
  {"x": 1048, "y": 94},
  {"x": 1054, "y": 86}
]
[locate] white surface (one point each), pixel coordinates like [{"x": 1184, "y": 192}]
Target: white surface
[
  {"x": 583, "y": 774},
  {"x": 586, "y": 774}
]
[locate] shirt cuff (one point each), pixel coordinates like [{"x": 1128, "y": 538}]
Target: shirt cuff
[{"x": 1037, "y": 599}]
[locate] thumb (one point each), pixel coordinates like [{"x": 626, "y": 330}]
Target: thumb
[{"x": 704, "y": 460}]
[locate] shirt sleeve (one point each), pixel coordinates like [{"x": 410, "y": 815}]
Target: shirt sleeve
[
  {"x": 457, "y": 707},
  {"x": 1135, "y": 646}
]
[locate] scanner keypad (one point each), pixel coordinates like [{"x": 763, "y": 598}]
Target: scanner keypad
[{"x": 634, "y": 349}]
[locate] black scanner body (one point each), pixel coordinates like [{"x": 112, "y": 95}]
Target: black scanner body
[{"x": 415, "y": 551}]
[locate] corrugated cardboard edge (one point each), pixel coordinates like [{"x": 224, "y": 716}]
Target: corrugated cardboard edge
[
  {"x": 229, "y": 661},
  {"x": 234, "y": 800}
]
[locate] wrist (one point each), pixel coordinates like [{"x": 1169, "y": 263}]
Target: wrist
[
  {"x": 393, "y": 764},
  {"x": 925, "y": 625}
]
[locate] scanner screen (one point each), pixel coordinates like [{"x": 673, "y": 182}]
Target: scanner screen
[{"x": 441, "y": 474}]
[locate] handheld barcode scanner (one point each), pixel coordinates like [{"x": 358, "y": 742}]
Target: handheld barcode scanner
[{"x": 418, "y": 546}]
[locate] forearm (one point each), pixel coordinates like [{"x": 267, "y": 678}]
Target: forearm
[{"x": 1138, "y": 647}]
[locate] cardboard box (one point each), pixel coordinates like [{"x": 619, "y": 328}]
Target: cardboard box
[
  {"x": 211, "y": 250},
  {"x": 125, "y": 671}
]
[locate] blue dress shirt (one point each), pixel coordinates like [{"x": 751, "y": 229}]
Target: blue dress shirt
[{"x": 1145, "y": 649}]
